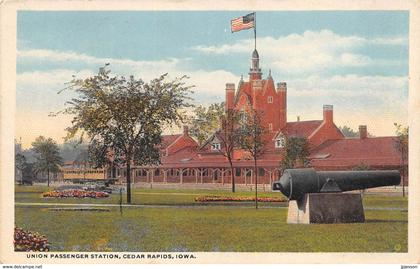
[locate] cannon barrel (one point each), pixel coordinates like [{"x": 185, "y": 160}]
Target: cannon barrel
[{"x": 294, "y": 183}]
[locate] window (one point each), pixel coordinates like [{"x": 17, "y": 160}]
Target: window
[
  {"x": 261, "y": 172},
  {"x": 280, "y": 142},
  {"x": 215, "y": 146},
  {"x": 270, "y": 127},
  {"x": 270, "y": 99},
  {"x": 238, "y": 172}
]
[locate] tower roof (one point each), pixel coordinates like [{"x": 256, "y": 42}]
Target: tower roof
[
  {"x": 255, "y": 70},
  {"x": 255, "y": 54}
]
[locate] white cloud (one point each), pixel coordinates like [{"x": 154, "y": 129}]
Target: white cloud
[
  {"x": 349, "y": 59},
  {"x": 37, "y": 90},
  {"x": 311, "y": 51},
  {"x": 377, "y": 101},
  {"x": 122, "y": 66},
  {"x": 34, "y": 86},
  {"x": 366, "y": 98},
  {"x": 49, "y": 78},
  {"x": 349, "y": 86},
  {"x": 400, "y": 41}
]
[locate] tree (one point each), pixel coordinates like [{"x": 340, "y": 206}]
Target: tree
[
  {"x": 20, "y": 163},
  {"x": 48, "y": 156},
  {"x": 296, "y": 152},
  {"x": 229, "y": 138},
  {"x": 252, "y": 140},
  {"x": 124, "y": 117},
  {"x": 402, "y": 146},
  {"x": 28, "y": 173},
  {"x": 71, "y": 149},
  {"x": 348, "y": 132},
  {"x": 82, "y": 158},
  {"x": 206, "y": 121}
]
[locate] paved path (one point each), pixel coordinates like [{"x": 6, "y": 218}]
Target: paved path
[{"x": 183, "y": 206}]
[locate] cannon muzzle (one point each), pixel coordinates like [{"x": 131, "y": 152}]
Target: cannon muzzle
[{"x": 294, "y": 183}]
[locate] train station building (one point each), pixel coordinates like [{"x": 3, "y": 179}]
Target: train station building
[{"x": 184, "y": 161}]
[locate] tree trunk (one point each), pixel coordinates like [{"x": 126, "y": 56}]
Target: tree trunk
[
  {"x": 232, "y": 175},
  {"x": 256, "y": 182},
  {"x": 128, "y": 182},
  {"x": 403, "y": 171},
  {"x": 113, "y": 171},
  {"x": 48, "y": 176},
  {"x": 84, "y": 172},
  {"x": 403, "y": 177}
]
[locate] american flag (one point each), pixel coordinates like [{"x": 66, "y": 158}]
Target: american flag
[{"x": 242, "y": 23}]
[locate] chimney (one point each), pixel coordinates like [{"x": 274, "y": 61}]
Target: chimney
[
  {"x": 281, "y": 86},
  {"x": 363, "y": 131},
  {"x": 282, "y": 93},
  {"x": 185, "y": 130},
  {"x": 328, "y": 113},
  {"x": 298, "y": 118},
  {"x": 230, "y": 95}
]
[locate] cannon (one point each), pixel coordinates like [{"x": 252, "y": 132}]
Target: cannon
[
  {"x": 317, "y": 197},
  {"x": 294, "y": 183}
]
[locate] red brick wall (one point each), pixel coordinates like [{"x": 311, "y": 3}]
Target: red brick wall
[
  {"x": 230, "y": 96},
  {"x": 273, "y": 113}
]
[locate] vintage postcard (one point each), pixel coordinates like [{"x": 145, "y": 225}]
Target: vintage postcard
[{"x": 187, "y": 132}]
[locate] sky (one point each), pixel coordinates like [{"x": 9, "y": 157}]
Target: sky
[{"x": 356, "y": 61}]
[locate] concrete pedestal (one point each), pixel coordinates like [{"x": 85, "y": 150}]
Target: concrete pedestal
[{"x": 326, "y": 208}]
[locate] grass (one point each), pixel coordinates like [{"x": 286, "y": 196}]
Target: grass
[
  {"x": 32, "y": 194},
  {"x": 208, "y": 228}
]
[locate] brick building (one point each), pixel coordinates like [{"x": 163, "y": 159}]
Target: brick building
[{"x": 183, "y": 160}]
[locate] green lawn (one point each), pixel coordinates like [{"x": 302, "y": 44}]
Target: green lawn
[
  {"x": 207, "y": 228},
  {"x": 32, "y": 194}
]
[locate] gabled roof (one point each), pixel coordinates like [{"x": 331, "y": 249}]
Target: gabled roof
[
  {"x": 245, "y": 88},
  {"x": 376, "y": 151},
  {"x": 300, "y": 128},
  {"x": 181, "y": 156},
  {"x": 268, "y": 83},
  {"x": 217, "y": 137},
  {"x": 167, "y": 140}
]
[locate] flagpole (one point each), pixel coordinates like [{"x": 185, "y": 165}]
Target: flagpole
[{"x": 255, "y": 30}]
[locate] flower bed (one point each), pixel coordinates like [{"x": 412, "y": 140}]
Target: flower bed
[
  {"x": 29, "y": 241},
  {"x": 236, "y": 199},
  {"x": 75, "y": 193}
]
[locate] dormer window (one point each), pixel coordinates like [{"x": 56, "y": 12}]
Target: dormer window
[
  {"x": 270, "y": 127},
  {"x": 280, "y": 142},
  {"x": 270, "y": 99},
  {"x": 215, "y": 146}
]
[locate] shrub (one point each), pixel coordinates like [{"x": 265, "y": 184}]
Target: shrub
[
  {"x": 29, "y": 241},
  {"x": 75, "y": 193},
  {"x": 236, "y": 199}
]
